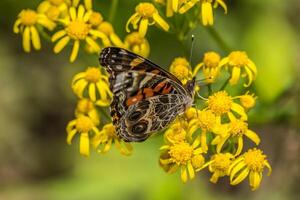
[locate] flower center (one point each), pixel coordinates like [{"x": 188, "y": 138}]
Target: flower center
[
  {"x": 53, "y": 13},
  {"x": 206, "y": 119},
  {"x": 28, "y": 17},
  {"x": 106, "y": 28},
  {"x": 78, "y": 30},
  {"x": 221, "y": 162},
  {"x": 238, "y": 58},
  {"x": 56, "y": 2},
  {"x": 134, "y": 39},
  {"x": 198, "y": 161},
  {"x": 238, "y": 127},
  {"x": 95, "y": 19},
  {"x": 255, "y": 159},
  {"x": 181, "y": 153},
  {"x": 145, "y": 9},
  {"x": 92, "y": 74},
  {"x": 220, "y": 103},
  {"x": 247, "y": 100},
  {"x": 211, "y": 59},
  {"x": 84, "y": 124},
  {"x": 85, "y": 106}
]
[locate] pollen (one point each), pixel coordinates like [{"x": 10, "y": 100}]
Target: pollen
[
  {"x": 106, "y": 28},
  {"x": 238, "y": 127},
  {"x": 206, "y": 119},
  {"x": 95, "y": 19},
  {"x": 220, "y": 103},
  {"x": 238, "y": 58},
  {"x": 145, "y": 9},
  {"x": 85, "y": 106},
  {"x": 78, "y": 30},
  {"x": 255, "y": 160},
  {"x": 198, "y": 161},
  {"x": 84, "y": 124},
  {"x": 28, "y": 17},
  {"x": 211, "y": 59},
  {"x": 221, "y": 162},
  {"x": 93, "y": 74},
  {"x": 181, "y": 153}
]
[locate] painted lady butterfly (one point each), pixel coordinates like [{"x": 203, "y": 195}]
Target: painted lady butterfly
[{"x": 146, "y": 98}]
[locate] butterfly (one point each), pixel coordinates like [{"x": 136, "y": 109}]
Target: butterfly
[{"x": 146, "y": 97}]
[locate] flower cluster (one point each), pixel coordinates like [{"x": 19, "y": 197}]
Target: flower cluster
[
  {"x": 212, "y": 136},
  {"x": 209, "y": 135}
]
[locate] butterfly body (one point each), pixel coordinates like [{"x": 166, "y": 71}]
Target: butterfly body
[{"x": 146, "y": 97}]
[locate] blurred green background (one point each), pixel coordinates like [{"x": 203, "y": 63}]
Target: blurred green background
[{"x": 36, "y": 103}]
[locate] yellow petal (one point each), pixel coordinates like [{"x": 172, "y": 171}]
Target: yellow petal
[
  {"x": 191, "y": 170},
  {"x": 237, "y": 169},
  {"x": 161, "y": 22},
  {"x": 132, "y": 18},
  {"x": 79, "y": 87},
  {"x": 239, "y": 110},
  {"x": 70, "y": 136},
  {"x": 253, "y": 136},
  {"x": 256, "y": 180},
  {"x": 214, "y": 178},
  {"x": 207, "y": 14},
  {"x": 26, "y": 39},
  {"x": 269, "y": 167},
  {"x": 61, "y": 44},
  {"x": 77, "y": 77},
  {"x": 92, "y": 92},
  {"x": 197, "y": 68},
  {"x": 80, "y": 12},
  {"x": 175, "y": 5},
  {"x": 250, "y": 77},
  {"x": 75, "y": 50},
  {"x": 187, "y": 6},
  {"x": 116, "y": 40},
  {"x": 244, "y": 173},
  {"x": 84, "y": 146},
  {"x": 203, "y": 141},
  {"x": 143, "y": 27},
  {"x": 235, "y": 76},
  {"x": 92, "y": 43},
  {"x": 234, "y": 163},
  {"x": 58, "y": 35},
  {"x": 88, "y": 4},
  {"x": 223, "y": 5},
  {"x": 44, "y": 21},
  {"x": 240, "y": 146},
  {"x": 16, "y": 26},
  {"x": 184, "y": 176},
  {"x": 72, "y": 12},
  {"x": 35, "y": 38},
  {"x": 221, "y": 143}
]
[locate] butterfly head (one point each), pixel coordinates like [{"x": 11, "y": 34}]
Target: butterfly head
[{"x": 190, "y": 86}]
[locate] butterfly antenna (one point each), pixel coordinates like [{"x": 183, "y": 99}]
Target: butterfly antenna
[
  {"x": 204, "y": 79},
  {"x": 192, "y": 48}
]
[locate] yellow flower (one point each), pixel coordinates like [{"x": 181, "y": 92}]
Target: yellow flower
[
  {"x": 27, "y": 23},
  {"x": 205, "y": 120},
  {"x": 237, "y": 60},
  {"x": 210, "y": 66},
  {"x": 206, "y": 9},
  {"x": 181, "y": 68},
  {"x": 86, "y": 128},
  {"x": 87, "y": 107},
  {"x": 235, "y": 129},
  {"x": 106, "y": 137},
  {"x": 172, "y": 6},
  {"x": 182, "y": 154},
  {"x": 138, "y": 44},
  {"x": 247, "y": 100},
  {"x": 77, "y": 28},
  {"x": 87, "y": 3},
  {"x": 53, "y": 9},
  {"x": 251, "y": 163},
  {"x": 145, "y": 14},
  {"x": 95, "y": 19},
  {"x": 191, "y": 113},
  {"x": 221, "y": 103},
  {"x": 219, "y": 165},
  {"x": 108, "y": 30},
  {"x": 176, "y": 132},
  {"x": 94, "y": 85}
]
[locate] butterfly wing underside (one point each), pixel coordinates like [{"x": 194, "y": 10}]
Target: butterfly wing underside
[{"x": 146, "y": 98}]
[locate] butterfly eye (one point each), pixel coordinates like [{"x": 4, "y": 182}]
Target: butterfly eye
[
  {"x": 140, "y": 127},
  {"x": 135, "y": 115}
]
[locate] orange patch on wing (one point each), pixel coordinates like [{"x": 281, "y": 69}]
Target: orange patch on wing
[
  {"x": 134, "y": 99},
  {"x": 156, "y": 71},
  {"x": 135, "y": 62},
  {"x": 148, "y": 92},
  {"x": 167, "y": 90},
  {"x": 159, "y": 86}
]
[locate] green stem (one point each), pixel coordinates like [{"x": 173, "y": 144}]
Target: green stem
[
  {"x": 45, "y": 35},
  {"x": 225, "y": 84},
  {"x": 219, "y": 40},
  {"x": 113, "y": 9},
  {"x": 106, "y": 116}
]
